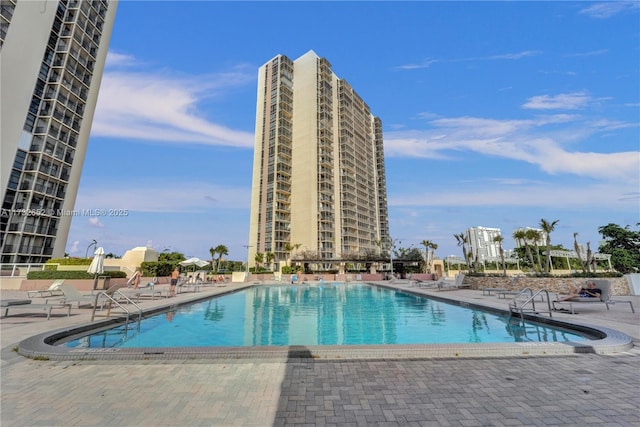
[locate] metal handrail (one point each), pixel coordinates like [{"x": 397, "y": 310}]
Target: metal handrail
[
  {"x": 109, "y": 295},
  {"x": 513, "y": 305}
]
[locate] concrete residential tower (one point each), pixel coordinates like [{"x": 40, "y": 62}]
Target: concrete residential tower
[
  {"x": 481, "y": 243},
  {"x": 318, "y": 172},
  {"x": 52, "y": 54}
]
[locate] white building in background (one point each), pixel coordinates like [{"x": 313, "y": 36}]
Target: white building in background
[
  {"x": 542, "y": 241},
  {"x": 52, "y": 58},
  {"x": 481, "y": 244}
]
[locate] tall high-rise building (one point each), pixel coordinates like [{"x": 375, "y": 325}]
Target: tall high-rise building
[
  {"x": 52, "y": 55},
  {"x": 318, "y": 172},
  {"x": 481, "y": 243}
]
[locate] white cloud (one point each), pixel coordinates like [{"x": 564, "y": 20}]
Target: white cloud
[
  {"x": 428, "y": 62},
  {"x": 156, "y": 107},
  {"x": 416, "y": 66},
  {"x": 115, "y": 60},
  {"x": 74, "y": 247},
  {"x": 540, "y": 141},
  {"x": 95, "y": 222},
  {"x": 590, "y": 53},
  {"x": 563, "y": 101},
  {"x": 609, "y": 9},
  {"x": 514, "y": 194},
  {"x": 517, "y": 55}
]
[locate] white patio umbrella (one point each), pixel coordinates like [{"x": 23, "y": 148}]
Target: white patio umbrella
[
  {"x": 97, "y": 264},
  {"x": 194, "y": 261}
]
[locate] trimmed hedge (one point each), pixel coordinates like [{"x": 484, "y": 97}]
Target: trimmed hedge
[
  {"x": 71, "y": 275},
  {"x": 70, "y": 261}
]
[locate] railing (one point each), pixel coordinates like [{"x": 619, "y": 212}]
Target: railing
[
  {"x": 529, "y": 304},
  {"x": 20, "y": 270},
  {"x": 114, "y": 297}
]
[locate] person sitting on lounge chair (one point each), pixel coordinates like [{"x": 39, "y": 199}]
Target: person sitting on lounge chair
[{"x": 589, "y": 292}]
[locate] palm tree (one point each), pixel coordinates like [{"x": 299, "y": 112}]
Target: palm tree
[
  {"x": 434, "y": 246},
  {"x": 462, "y": 241},
  {"x": 521, "y": 236},
  {"x": 535, "y": 236},
  {"x": 498, "y": 239},
  {"x": 576, "y": 247},
  {"x": 269, "y": 256},
  {"x": 259, "y": 258},
  {"x": 212, "y": 251},
  {"x": 288, "y": 248},
  {"x": 590, "y": 259},
  {"x": 548, "y": 228},
  {"x": 428, "y": 244},
  {"x": 220, "y": 250}
]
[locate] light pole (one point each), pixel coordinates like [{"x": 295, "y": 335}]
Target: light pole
[{"x": 93, "y": 243}]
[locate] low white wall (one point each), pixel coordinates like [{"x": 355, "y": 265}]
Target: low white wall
[
  {"x": 10, "y": 283},
  {"x": 634, "y": 283}
]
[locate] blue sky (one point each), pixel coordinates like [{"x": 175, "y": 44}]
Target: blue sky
[{"x": 495, "y": 114}]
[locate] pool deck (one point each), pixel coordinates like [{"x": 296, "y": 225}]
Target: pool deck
[{"x": 572, "y": 389}]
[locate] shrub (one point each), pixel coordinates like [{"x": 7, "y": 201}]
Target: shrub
[
  {"x": 70, "y": 275},
  {"x": 70, "y": 261},
  {"x": 157, "y": 268}
]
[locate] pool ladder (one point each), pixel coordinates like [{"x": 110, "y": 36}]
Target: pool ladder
[
  {"x": 111, "y": 297},
  {"x": 518, "y": 305}
]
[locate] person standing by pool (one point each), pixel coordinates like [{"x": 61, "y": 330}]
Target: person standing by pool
[
  {"x": 174, "y": 281},
  {"x": 136, "y": 279}
]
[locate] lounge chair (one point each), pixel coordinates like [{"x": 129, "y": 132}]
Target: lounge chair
[
  {"x": 184, "y": 285},
  {"x": 458, "y": 283},
  {"x": 488, "y": 291},
  {"x": 53, "y": 290},
  {"x": 71, "y": 295},
  {"x": 21, "y": 304},
  {"x": 605, "y": 297},
  {"x": 428, "y": 283},
  {"x": 145, "y": 292}
]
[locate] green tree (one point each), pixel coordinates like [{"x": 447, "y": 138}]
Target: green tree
[
  {"x": 259, "y": 259},
  {"x": 172, "y": 257},
  {"x": 623, "y": 245},
  {"x": 534, "y": 236},
  {"x": 462, "y": 241},
  {"x": 499, "y": 239},
  {"x": 212, "y": 251},
  {"x": 288, "y": 248},
  {"x": 269, "y": 257},
  {"x": 220, "y": 250},
  {"x": 590, "y": 259},
  {"x": 521, "y": 236},
  {"x": 429, "y": 249},
  {"x": 576, "y": 247},
  {"x": 548, "y": 228}
]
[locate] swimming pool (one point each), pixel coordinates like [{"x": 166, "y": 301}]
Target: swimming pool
[{"x": 333, "y": 314}]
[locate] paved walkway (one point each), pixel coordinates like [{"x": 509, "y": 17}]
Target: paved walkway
[{"x": 580, "y": 390}]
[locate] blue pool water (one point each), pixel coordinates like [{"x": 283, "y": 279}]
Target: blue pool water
[{"x": 327, "y": 314}]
